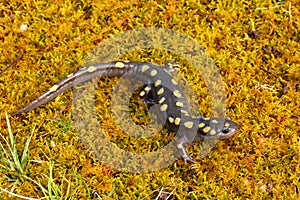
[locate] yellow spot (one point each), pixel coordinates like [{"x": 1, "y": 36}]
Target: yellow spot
[
  {"x": 179, "y": 146},
  {"x": 213, "y": 132},
  {"x": 91, "y": 69},
  {"x": 177, "y": 120},
  {"x": 188, "y": 124},
  {"x": 179, "y": 104},
  {"x": 119, "y": 65},
  {"x": 201, "y": 125},
  {"x": 142, "y": 93},
  {"x": 214, "y": 121},
  {"x": 70, "y": 75},
  {"x": 126, "y": 61},
  {"x": 162, "y": 100},
  {"x": 160, "y": 91},
  {"x": 206, "y": 129},
  {"x": 53, "y": 88},
  {"x": 174, "y": 82},
  {"x": 171, "y": 119},
  {"x": 157, "y": 83},
  {"x": 147, "y": 88},
  {"x": 164, "y": 107},
  {"x": 153, "y": 72},
  {"x": 145, "y": 68},
  {"x": 177, "y": 93},
  {"x": 227, "y": 124},
  {"x": 206, "y": 118},
  {"x": 185, "y": 112}
]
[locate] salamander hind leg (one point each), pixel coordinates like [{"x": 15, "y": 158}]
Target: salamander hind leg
[{"x": 171, "y": 68}]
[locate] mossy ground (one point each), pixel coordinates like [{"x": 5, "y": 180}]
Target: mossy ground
[{"x": 256, "y": 47}]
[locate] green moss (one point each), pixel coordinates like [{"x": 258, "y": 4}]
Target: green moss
[{"x": 261, "y": 73}]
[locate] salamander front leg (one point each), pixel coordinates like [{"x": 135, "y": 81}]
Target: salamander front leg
[
  {"x": 182, "y": 150},
  {"x": 147, "y": 95}
]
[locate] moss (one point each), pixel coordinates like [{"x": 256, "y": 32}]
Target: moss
[{"x": 255, "y": 46}]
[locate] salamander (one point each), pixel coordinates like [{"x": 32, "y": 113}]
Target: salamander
[{"x": 160, "y": 90}]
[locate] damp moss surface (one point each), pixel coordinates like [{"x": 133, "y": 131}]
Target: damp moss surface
[{"x": 255, "y": 46}]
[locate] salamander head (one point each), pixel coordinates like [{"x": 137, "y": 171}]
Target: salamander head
[{"x": 215, "y": 128}]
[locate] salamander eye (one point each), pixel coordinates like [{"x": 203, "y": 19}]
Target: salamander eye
[{"x": 225, "y": 130}]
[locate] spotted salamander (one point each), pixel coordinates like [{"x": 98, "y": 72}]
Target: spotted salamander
[{"x": 160, "y": 91}]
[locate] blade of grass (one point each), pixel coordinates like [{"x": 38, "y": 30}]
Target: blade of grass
[
  {"x": 16, "y": 195},
  {"x": 12, "y": 147},
  {"x": 15, "y": 163},
  {"x": 25, "y": 154},
  {"x": 84, "y": 183}
]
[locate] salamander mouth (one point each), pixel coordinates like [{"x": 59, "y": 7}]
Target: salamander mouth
[{"x": 224, "y": 136}]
